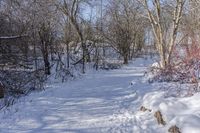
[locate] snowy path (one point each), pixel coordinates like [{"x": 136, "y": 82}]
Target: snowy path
[{"x": 99, "y": 102}]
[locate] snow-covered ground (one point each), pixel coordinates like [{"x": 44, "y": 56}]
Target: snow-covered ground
[{"x": 102, "y": 102}]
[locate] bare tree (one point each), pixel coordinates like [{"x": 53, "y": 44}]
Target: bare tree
[
  {"x": 124, "y": 30},
  {"x": 71, "y": 10},
  {"x": 164, "y": 47}
]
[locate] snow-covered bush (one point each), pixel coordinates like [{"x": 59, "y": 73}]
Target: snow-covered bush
[
  {"x": 19, "y": 83},
  {"x": 111, "y": 64}
]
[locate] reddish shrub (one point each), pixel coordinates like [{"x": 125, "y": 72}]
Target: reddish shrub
[{"x": 184, "y": 67}]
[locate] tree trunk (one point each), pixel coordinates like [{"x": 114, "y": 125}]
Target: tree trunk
[
  {"x": 47, "y": 64},
  {"x": 1, "y": 91},
  {"x": 162, "y": 58},
  {"x": 125, "y": 59},
  {"x": 84, "y": 51},
  {"x": 68, "y": 62},
  {"x": 46, "y": 59},
  {"x": 88, "y": 58},
  {"x": 96, "y": 58}
]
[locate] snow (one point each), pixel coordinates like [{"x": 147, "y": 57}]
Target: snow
[
  {"x": 102, "y": 102},
  {"x": 12, "y": 37},
  {"x": 156, "y": 65},
  {"x": 183, "y": 112}
]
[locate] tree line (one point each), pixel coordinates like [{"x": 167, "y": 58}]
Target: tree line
[{"x": 41, "y": 37}]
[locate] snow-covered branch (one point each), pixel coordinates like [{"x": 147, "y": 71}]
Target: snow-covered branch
[{"x": 12, "y": 37}]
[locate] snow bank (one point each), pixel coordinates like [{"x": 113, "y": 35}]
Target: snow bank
[{"x": 183, "y": 112}]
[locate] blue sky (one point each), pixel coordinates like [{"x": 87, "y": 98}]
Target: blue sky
[{"x": 88, "y": 9}]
